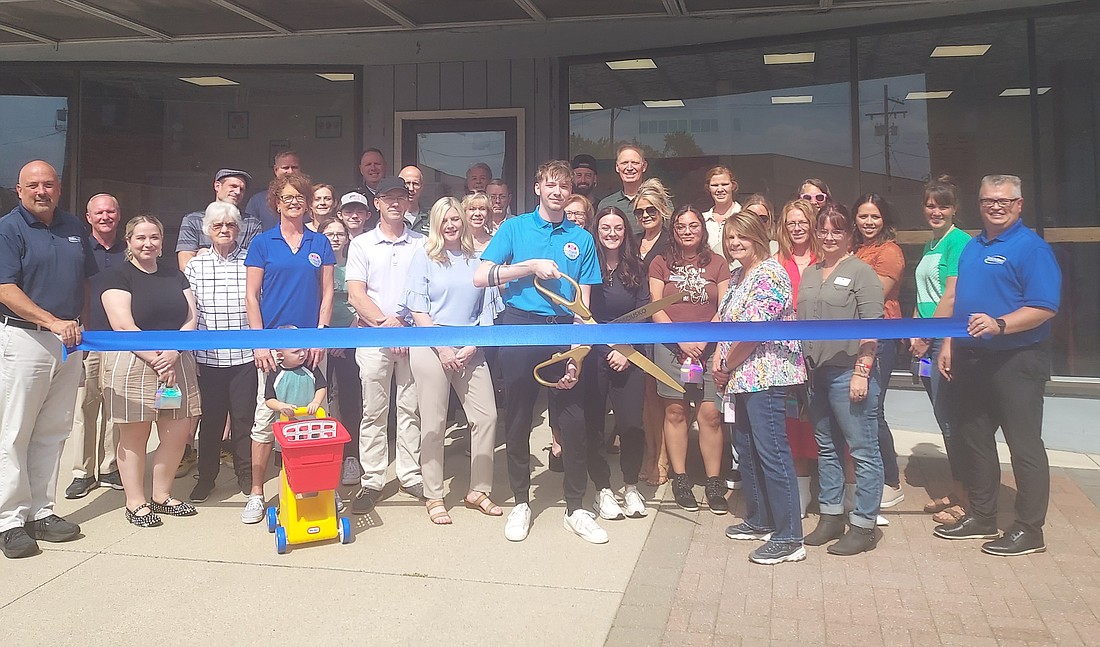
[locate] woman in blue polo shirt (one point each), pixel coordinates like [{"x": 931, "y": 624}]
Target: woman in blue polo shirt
[{"x": 289, "y": 282}]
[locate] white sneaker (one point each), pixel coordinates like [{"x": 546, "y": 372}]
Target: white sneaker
[
  {"x": 351, "y": 472},
  {"x": 634, "y": 501},
  {"x": 583, "y": 524},
  {"x": 891, "y": 496},
  {"x": 882, "y": 521},
  {"x": 340, "y": 505},
  {"x": 519, "y": 523},
  {"x": 607, "y": 507},
  {"x": 253, "y": 510}
]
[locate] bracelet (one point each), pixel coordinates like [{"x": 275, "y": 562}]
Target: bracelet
[{"x": 862, "y": 370}]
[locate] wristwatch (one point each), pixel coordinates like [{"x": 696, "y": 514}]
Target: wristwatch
[{"x": 1001, "y": 324}]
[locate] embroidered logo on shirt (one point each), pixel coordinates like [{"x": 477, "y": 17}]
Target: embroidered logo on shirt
[
  {"x": 74, "y": 239},
  {"x": 315, "y": 259},
  {"x": 571, "y": 251},
  {"x": 995, "y": 259}
]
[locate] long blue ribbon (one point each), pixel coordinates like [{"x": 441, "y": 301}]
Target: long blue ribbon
[{"x": 534, "y": 335}]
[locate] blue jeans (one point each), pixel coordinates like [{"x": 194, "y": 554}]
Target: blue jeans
[
  {"x": 939, "y": 394},
  {"x": 838, "y": 421},
  {"x": 885, "y": 360},
  {"x": 767, "y": 469}
]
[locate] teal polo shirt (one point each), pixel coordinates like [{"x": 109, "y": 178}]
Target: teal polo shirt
[
  {"x": 1003, "y": 274},
  {"x": 291, "y": 291},
  {"x": 528, "y": 236}
]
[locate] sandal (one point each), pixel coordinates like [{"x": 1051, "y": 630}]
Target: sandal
[
  {"x": 949, "y": 516},
  {"x": 938, "y": 505},
  {"x": 147, "y": 520},
  {"x": 437, "y": 512},
  {"x": 479, "y": 504},
  {"x": 177, "y": 509}
]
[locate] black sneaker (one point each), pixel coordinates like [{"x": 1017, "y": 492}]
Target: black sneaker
[
  {"x": 16, "y": 543},
  {"x": 202, "y": 491},
  {"x": 716, "y": 495},
  {"x": 365, "y": 500},
  {"x": 775, "y": 552},
  {"x": 745, "y": 531},
  {"x": 681, "y": 491},
  {"x": 969, "y": 527},
  {"x": 80, "y": 487},
  {"x": 52, "y": 529},
  {"x": 1016, "y": 541},
  {"x": 112, "y": 480}
]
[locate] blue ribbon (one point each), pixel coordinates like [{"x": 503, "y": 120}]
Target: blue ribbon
[{"x": 534, "y": 335}]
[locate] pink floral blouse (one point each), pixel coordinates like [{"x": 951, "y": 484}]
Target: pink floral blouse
[{"x": 764, "y": 294}]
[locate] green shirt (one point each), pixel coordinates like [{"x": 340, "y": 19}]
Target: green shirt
[
  {"x": 940, "y": 261},
  {"x": 342, "y": 313}
]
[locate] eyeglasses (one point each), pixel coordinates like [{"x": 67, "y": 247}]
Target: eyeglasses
[
  {"x": 1003, "y": 203},
  {"x": 816, "y": 197},
  {"x": 830, "y": 233},
  {"x": 224, "y": 225},
  {"x": 797, "y": 225},
  {"x": 577, "y": 214},
  {"x": 336, "y": 234},
  {"x": 681, "y": 228},
  {"x": 648, "y": 211},
  {"x": 293, "y": 199}
]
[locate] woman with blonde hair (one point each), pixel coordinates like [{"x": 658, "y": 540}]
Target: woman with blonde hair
[
  {"x": 475, "y": 206},
  {"x": 721, "y": 184},
  {"x": 322, "y": 206},
  {"x": 143, "y": 386},
  {"x": 440, "y": 292}
]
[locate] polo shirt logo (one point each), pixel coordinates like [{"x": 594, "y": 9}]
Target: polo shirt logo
[
  {"x": 74, "y": 239},
  {"x": 995, "y": 259},
  {"x": 315, "y": 259},
  {"x": 571, "y": 251}
]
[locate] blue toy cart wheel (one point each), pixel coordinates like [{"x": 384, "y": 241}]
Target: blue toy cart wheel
[
  {"x": 272, "y": 519},
  {"x": 280, "y": 540},
  {"x": 344, "y": 530}
]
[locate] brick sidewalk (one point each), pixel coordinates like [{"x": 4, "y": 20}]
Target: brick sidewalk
[{"x": 913, "y": 589}]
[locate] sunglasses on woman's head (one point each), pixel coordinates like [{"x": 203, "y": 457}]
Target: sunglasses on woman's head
[
  {"x": 819, "y": 197},
  {"x": 648, "y": 211}
]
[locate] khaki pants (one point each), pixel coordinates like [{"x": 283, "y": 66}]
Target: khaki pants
[
  {"x": 474, "y": 387},
  {"x": 376, "y": 367},
  {"x": 93, "y": 436},
  {"x": 37, "y": 399}
]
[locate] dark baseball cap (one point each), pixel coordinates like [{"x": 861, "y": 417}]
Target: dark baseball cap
[
  {"x": 229, "y": 172},
  {"x": 584, "y": 160},
  {"x": 389, "y": 184}
]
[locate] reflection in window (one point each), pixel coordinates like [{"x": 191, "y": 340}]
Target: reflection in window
[
  {"x": 33, "y": 128},
  {"x": 451, "y": 154}
]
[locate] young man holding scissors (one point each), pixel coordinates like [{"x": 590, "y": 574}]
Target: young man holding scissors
[{"x": 545, "y": 245}]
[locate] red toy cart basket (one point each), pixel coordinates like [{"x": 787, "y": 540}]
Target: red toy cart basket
[{"x": 313, "y": 451}]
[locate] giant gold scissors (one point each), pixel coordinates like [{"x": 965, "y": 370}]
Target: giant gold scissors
[{"x": 633, "y": 355}]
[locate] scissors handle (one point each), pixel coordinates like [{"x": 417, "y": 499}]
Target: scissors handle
[
  {"x": 576, "y": 354},
  {"x": 576, "y": 305}
]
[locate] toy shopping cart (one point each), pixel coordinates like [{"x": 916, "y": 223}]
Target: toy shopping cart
[{"x": 313, "y": 450}]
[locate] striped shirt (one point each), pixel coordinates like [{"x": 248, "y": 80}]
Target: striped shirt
[{"x": 219, "y": 287}]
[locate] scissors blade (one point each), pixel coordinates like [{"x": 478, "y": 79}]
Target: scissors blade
[
  {"x": 636, "y": 357},
  {"x": 650, "y": 309}
]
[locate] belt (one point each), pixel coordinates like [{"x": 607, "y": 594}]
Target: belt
[
  {"x": 535, "y": 317},
  {"x": 15, "y": 322},
  {"x": 990, "y": 352}
]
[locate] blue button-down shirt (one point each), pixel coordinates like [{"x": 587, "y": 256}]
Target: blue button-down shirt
[
  {"x": 528, "y": 236},
  {"x": 48, "y": 263},
  {"x": 1003, "y": 274}
]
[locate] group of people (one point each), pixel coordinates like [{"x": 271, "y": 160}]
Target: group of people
[{"x": 298, "y": 256}]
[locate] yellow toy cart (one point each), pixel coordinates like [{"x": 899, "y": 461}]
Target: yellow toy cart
[{"x": 313, "y": 451}]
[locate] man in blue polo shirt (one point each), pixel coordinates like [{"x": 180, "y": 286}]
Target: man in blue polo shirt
[
  {"x": 45, "y": 263},
  {"x": 1009, "y": 286},
  {"x": 542, "y": 244}
]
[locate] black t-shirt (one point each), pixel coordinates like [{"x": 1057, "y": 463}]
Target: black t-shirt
[
  {"x": 612, "y": 299},
  {"x": 156, "y": 300}
]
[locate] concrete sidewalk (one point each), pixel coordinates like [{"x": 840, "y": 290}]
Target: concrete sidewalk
[{"x": 671, "y": 577}]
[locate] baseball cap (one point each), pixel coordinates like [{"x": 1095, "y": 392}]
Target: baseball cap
[
  {"x": 353, "y": 197},
  {"x": 584, "y": 160},
  {"x": 229, "y": 172},
  {"x": 389, "y": 184}
]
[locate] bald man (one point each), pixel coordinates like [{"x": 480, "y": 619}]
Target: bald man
[
  {"x": 45, "y": 264},
  {"x": 417, "y": 216}
]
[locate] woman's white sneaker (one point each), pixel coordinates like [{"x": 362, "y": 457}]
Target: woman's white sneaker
[
  {"x": 519, "y": 523},
  {"x": 607, "y": 507},
  {"x": 583, "y": 524},
  {"x": 634, "y": 502}
]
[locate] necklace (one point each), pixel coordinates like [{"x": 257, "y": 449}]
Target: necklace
[{"x": 611, "y": 269}]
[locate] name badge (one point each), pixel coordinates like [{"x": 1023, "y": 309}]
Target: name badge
[{"x": 842, "y": 281}]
